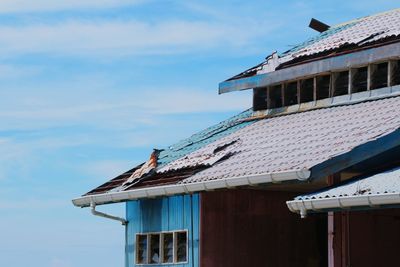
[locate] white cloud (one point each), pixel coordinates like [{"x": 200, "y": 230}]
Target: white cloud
[
  {"x": 18, "y": 6},
  {"x": 56, "y": 262},
  {"x": 107, "y": 168},
  {"x": 100, "y": 108},
  {"x": 106, "y": 38}
]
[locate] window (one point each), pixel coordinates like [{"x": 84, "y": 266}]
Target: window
[
  {"x": 306, "y": 90},
  {"x": 340, "y": 83},
  {"x": 162, "y": 248},
  {"x": 181, "y": 246},
  {"x": 395, "y": 73},
  {"x": 260, "y": 99},
  {"x": 323, "y": 86},
  {"x": 359, "y": 80},
  {"x": 290, "y": 95},
  {"x": 141, "y": 251},
  {"x": 275, "y": 96},
  {"x": 154, "y": 248},
  {"x": 168, "y": 248},
  {"x": 379, "y": 75}
]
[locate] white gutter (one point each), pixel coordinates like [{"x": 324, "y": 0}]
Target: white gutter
[
  {"x": 175, "y": 189},
  {"x": 347, "y": 202},
  {"x": 105, "y": 215}
]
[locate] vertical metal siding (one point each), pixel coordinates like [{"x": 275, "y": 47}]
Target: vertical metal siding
[{"x": 164, "y": 214}]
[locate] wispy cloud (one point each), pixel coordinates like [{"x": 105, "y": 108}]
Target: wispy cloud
[
  {"x": 107, "y": 108},
  {"x": 106, "y": 38},
  {"x": 18, "y": 6}
]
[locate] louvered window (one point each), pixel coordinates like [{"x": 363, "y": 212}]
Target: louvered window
[{"x": 162, "y": 248}]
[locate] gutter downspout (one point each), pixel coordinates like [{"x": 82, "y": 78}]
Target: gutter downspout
[{"x": 104, "y": 215}]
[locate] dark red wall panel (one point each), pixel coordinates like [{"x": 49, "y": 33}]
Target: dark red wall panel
[
  {"x": 255, "y": 228},
  {"x": 374, "y": 238}
]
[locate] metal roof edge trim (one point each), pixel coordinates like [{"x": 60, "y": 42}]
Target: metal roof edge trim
[
  {"x": 174, "y": 189},
  {"x": 357, "y": 154},
  {"x": 345, "y": 202},
  {"x": 334, "y": 63}
]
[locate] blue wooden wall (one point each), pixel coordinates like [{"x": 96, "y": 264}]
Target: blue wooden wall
[{"x": 163, "y": 214}]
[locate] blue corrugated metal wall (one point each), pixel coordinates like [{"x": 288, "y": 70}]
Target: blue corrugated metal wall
[{"x": 164, "y": 214}]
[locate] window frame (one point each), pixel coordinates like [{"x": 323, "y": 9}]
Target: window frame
[{"x": 161, "y": 235}]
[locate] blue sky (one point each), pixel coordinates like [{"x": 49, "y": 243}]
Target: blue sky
[{"x": 88, "y": 88}]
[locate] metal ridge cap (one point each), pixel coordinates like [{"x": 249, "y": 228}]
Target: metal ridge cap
[{"x": 168, "y": 190}]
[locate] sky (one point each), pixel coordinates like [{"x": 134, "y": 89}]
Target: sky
[{"x": 89, "y": 88}]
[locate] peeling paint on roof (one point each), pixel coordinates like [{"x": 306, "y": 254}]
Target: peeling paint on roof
[{"x": 383, "y": 183}]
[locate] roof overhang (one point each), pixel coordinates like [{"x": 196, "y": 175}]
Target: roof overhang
[
  {"x": 332, "y": 63},
  {"x": 175, "y": 189},
  {"x": 374, "y": 191},
  {"x": 343, "y": 203}
]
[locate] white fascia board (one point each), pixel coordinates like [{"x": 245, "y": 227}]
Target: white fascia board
[
  {"x": 346, "y": 202},
  {"x": 167, "y": 190}
]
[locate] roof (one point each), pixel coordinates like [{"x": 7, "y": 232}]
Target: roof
[
  {"x": 297, "y": 146},
  {"x": 182, "y": 148},
  {"x": 379, "y": 189},
  {"x": 349, "y": 36}
]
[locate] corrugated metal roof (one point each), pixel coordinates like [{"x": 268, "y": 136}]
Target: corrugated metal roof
[
  {"x": 272, "y": 145},
  {"x": 357, "y": 32},
  {"x": 180, "y": 149},
  {"x": 204, "y": 137},
  {"x": 383, "y": 183},
  {"x": 298, "y": 141},
  {"x": 346, "y": 36}
]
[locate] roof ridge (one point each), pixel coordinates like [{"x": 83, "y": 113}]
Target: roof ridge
[{"x": 365, "y": 17}]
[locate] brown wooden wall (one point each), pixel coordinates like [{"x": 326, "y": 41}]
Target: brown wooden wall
[
  {"x": 255, "y": 228},
  {"x": 374, "y": 238}
]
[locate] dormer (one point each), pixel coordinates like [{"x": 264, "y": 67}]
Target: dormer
[{"x": 346, "y": 63}]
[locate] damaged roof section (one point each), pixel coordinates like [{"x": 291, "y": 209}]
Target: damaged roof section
[
  {"x": 298, "y": 146},
  {"x": 377, "y": 29},
  {"x": 145, "y": 174}
]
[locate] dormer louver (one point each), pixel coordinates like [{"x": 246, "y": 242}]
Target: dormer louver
[{"x": 328, "y": 85}]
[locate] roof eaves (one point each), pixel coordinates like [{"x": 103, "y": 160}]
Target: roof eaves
[
  {"x": 343, "y": 202},
  {"x": 174, "y": 189}
]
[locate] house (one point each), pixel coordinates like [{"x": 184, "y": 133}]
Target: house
[{"x": 309, "y": 176}]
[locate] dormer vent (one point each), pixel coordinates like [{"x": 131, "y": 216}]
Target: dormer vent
[{"x": 336, "y": 83}]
